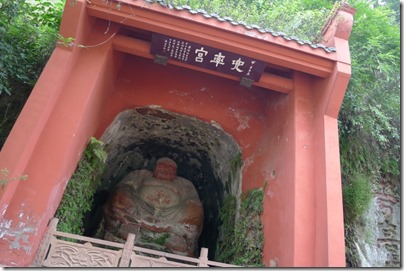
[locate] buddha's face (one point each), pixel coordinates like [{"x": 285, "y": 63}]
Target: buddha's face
[{"x": 165, "y": 171}]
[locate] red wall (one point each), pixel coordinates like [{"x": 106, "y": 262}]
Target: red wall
[
  {"x": 274, "y": 131},
  {"x": 289, "y": 215},
  {"x": 240, "y": 111}
]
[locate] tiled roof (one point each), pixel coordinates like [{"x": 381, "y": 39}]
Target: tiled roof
[{"x": 247, "y": 26}]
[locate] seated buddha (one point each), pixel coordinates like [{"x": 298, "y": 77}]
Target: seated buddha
[{"x": 163, "y": 210}]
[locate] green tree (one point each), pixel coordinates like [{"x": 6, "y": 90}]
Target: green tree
[
  {"x": 28, "y": 32},
  {"x": 370, "y": 115},
  {"x": 27, "y": 37}
]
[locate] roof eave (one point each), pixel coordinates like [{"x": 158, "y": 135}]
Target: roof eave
[{"x": 200, "y": 29}]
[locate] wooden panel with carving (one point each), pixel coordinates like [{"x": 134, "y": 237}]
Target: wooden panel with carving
[{"x": 67, "y": 254}]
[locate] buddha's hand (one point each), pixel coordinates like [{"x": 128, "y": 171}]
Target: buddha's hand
[
  {"x": 192, "y": 213},
  {"x": 155, "y": 228}
]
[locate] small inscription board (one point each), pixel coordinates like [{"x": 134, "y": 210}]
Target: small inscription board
[{"x": 207, "y": 57}]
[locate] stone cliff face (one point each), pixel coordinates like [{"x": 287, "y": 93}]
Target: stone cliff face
[{"x": 377, "y": 240}]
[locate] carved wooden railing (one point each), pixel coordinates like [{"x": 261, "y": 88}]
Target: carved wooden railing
[{"x": 90, "y": 252}]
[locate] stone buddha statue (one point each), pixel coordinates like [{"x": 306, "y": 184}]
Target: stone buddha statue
[{"x": 162, "y": 209}]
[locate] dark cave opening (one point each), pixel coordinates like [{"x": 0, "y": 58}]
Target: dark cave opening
[{"x": 204, "y": 155}]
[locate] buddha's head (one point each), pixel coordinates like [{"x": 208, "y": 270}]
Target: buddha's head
[{"x": 165, "y": 169}]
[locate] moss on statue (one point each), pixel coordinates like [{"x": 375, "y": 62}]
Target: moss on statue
[
  {"x": 159, "y": 238},
  {"x": 241, "y": 240}
]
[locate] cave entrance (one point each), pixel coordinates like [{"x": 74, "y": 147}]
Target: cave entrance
[{"x": 205, "y": 154}]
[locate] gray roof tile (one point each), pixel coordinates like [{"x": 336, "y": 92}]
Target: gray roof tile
[{"x": 247, "y": 26}]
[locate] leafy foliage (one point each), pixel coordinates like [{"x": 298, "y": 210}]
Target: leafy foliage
[
  {"x": 302, "y": 18},
  {"x": 228, "y": 219},
  {"x": 369, "y": 120},
  {"x": 28, "y": 33},
  {"x": 78, "y": 196},
  {"x": 357, "y": 197},
  {"x": 242, "y": 239}
]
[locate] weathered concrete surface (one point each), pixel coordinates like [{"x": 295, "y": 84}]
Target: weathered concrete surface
[{"x": 378, "y": 240}]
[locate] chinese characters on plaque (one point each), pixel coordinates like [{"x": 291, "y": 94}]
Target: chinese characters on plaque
[{"x": 207, "y": 57}]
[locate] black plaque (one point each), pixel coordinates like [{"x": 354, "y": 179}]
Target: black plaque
[{"x": 207, "y": 57}]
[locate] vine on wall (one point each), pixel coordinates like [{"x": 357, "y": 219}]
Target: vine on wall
[
  {"x": 242, "y": 239},
  {"x": 5, "y": 179},
  {"x": 78, "y": 196}
]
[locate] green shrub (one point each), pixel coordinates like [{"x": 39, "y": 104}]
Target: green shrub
[
  {"x": 242, "y": 239},
  {"x": 357, "y": 195},
  {"x": 228, "y": 221},
  {"x": 78, "y": 196},
  {"x": 28, "y": 33}
]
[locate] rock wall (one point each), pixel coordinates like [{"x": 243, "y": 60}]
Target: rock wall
[
  {"x": 205, "y": 154},
  {"x": 378, "y": 239}
]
